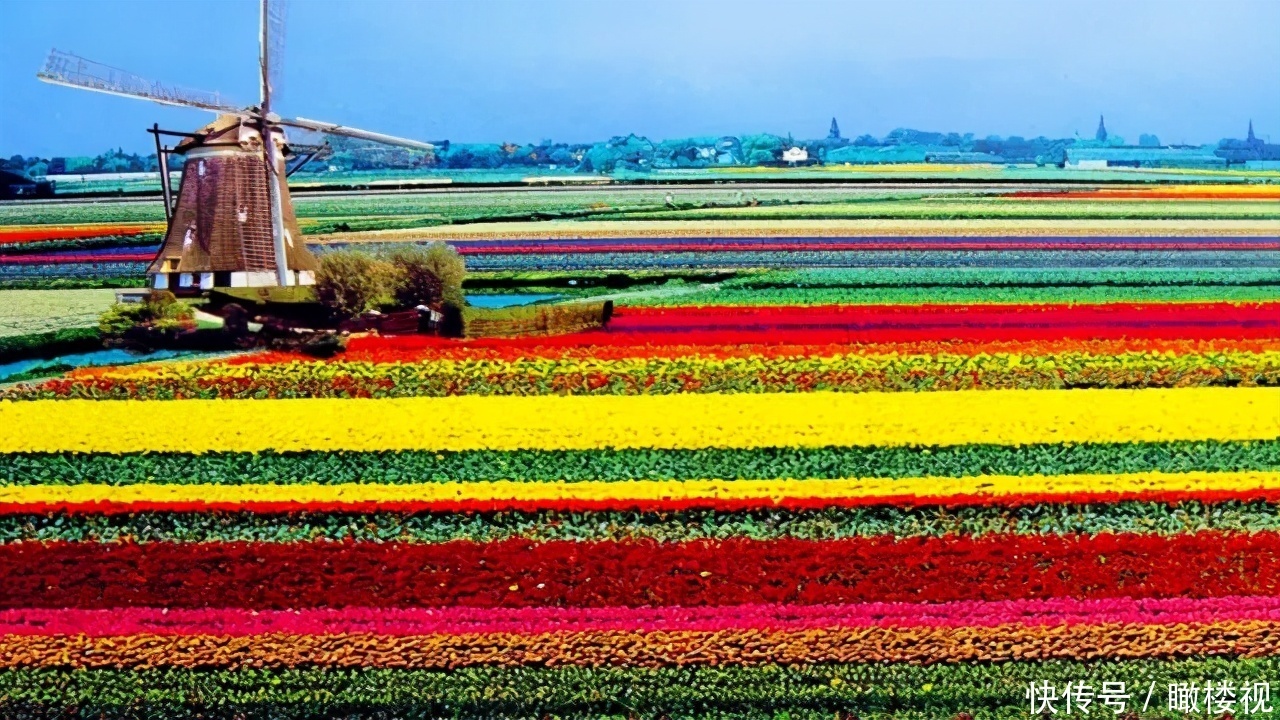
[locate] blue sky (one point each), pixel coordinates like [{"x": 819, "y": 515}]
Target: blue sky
[{"x": 576, "y": 70}]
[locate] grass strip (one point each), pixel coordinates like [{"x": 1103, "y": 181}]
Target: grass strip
[{"x": 881, "y": 520}]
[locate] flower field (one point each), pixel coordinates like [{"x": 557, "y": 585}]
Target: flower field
[
  {"x": 894, "y": 468},
  {"x": 639, "y": 228}
]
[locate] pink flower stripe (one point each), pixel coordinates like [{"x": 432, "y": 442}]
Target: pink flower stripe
[
  {"x": 458, "y": 620},
  {"x": 64, "y": 258}
]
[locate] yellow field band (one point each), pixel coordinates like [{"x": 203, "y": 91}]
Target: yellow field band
[
  {"x": 645, "y": 490},
  {"x": 1003, "y": 417}
]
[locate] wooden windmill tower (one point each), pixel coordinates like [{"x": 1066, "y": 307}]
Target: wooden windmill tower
[{"x": 233, "y": 223}]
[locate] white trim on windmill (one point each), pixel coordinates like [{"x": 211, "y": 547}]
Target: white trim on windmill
[{"x": 233, "y": 223}]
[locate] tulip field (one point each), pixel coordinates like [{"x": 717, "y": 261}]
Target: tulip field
[{"x": 898, "y": 468}]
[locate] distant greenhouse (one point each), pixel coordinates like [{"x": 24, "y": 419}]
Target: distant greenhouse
[
  {"x": 1136, "y": 156},
  {"x": 860, "y": 155}
]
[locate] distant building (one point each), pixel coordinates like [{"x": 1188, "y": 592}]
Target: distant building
[
  {"x": 1249, "y": 152},
  {"x": 1101, "y": 135},
  {"x": 795, "y": 155},
  {"x": 834, "y": 132},
  {"x": 19, "y": 185}
]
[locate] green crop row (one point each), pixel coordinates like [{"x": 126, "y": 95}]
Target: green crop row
[
  {"x": 688, "y": 525},
  {"x": 24, "y": 312},
  {"x": 38, "y": 283},
  {"x": 624, "y": 203},
  {"x": 899, "y": 691},
  {"x": 658, "y": 464},
  {"x": 94, "y": 243},
  {"x": 452, "y": 206},
  {"x": 981, "y": 209}
]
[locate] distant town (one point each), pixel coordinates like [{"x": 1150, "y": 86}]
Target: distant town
[{"x": 637, "y": 154}]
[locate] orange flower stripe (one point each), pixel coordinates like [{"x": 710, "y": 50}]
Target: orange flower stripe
[{"x": 874, "y": 644}]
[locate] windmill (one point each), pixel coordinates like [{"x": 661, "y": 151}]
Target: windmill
[{"x": 233, "y": 223}]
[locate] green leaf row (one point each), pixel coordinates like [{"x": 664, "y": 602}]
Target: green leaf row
[
  {"x": 900, "y": 691},
  {"x": 824, "y": 524},
  {"x": 575, "y": 465},
  {"x": 82, "y": 244}
]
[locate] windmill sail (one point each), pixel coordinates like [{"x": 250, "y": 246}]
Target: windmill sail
[
  {"x": 272, "y": 49},
  {"x": 63, "y": 68},
  {"x": 344, "y": 131},
  {"x": 271, "y": 42}
]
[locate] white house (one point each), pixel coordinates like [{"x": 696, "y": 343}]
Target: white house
[{"x": 795, "y": 155}]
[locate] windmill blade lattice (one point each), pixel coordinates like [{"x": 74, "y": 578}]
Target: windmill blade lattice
[
  {"x": 274, "y": 14},
  {"x": 344, "y": 131},
  {"x": 64, "y": 68}
]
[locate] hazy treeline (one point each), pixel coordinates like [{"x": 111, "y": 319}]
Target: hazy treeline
[{"x": 638, "y": 154}]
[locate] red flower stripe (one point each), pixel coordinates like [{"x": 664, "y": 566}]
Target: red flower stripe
[
  {"x": 748, "y": 335},
  {"x": 947, "y": 244},
  {"x": 904, "y": 323},
  {"x": 733, "y": 571},
  {"x": 1143, "y": 327},
  {"x": 638, "y": 504},
  {"x": 1240, "y": 193},
  {"x": 421, "y": 348},
  {"x": 236, "y": 622},
  {"x": 948, "y": 314}
]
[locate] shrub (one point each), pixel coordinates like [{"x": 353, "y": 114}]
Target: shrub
[
  {"x": 161, "y": 311},
  {"x": 49, "y": 344},
  {"x": 351, "y": 282},
  {"x": 430, "y": 276}
]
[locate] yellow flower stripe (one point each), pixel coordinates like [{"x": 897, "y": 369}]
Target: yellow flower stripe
[
  {"x": 506, "y": 491},
  {"x": 1006, "y": 417}
]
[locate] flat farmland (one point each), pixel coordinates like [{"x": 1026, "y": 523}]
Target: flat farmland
[{"x": 900, "y": 451}]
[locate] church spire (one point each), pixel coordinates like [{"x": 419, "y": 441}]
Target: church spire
[
  {"x": 1252, "y": 139},
  {"x": 1101, "y": 135},
  {"x": 834, "y": 133}
]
